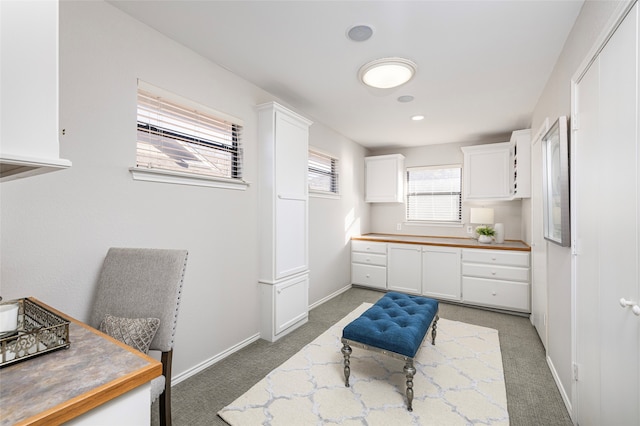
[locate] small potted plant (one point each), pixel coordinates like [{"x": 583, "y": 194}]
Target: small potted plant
[{"x": 485, "y": 234}]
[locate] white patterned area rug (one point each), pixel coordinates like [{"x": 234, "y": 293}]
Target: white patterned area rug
[{"x": 459, "y": 381}]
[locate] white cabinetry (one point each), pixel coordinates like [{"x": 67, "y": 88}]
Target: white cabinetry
[
  {"x": 285, "y": 305},
  {"x": 29, "y": 81},
  {"x": 496, "y": 278},
  {"x": 521, "y": 159},
  {"x": 284, "y": 253},
  {"x": 369, "y": 264},
  {"x": 441, "y": 272},
  {"x": 384, "y": 178},
  {"x": 404, "y": 270},
  {"x": 498, "y": 171},
  {"x": 487, "y": 171}
]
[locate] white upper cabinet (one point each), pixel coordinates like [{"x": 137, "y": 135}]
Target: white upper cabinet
[
  {"x": 29, "y": 83},
  {"x": 498, "y": 171},
  {"x": 384, "y": 178},
  {"x": 521, "y": 145},
  {"x": 487, "y": 172}
]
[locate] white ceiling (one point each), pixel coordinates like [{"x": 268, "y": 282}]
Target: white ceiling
[{"x": 482, "y": 65}]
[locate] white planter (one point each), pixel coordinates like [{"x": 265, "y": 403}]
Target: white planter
[{"x": 485, "y": 239}]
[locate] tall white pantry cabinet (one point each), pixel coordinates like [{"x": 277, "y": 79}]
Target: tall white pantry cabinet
[{"x": 283, "y": 139}]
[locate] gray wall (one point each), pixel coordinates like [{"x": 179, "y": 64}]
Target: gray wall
[
  {"x": 386, "y": 216},
  {"x": 57, "y": 227},
  {"x": 556, "y": 101}
]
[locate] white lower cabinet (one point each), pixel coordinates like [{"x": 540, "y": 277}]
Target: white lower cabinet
[
  {"x": 496, "y": 278},
  {"x": 482, "y": 277},
  {"x": 404, "y": 268},
  {"x": 441, "y": 272},
  {"x": 369, "y": 264},
  {"x": 285, "y": 306}
]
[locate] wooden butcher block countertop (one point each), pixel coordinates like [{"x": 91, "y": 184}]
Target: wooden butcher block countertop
[{"x": 515, "y": 245}]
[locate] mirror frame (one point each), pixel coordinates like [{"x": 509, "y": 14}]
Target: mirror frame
[{"x": 555, "y": 159}]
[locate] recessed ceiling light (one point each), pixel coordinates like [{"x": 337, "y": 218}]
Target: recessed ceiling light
[
  {"x": 387, "y": 73},
  {"x": 360, "y": 33},
  {"x": 417, "y": 117},
  {"x": 405, "y": 98}
]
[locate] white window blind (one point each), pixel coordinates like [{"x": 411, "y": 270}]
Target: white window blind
[
  {"x": 323, "y": 173},
  {"x": 434, "y": 193},
  {"x": 179, "y": 136}
]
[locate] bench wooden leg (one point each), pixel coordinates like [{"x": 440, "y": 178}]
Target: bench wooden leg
[
  {"x": 346, "y": 352},
  {"x": 433, "y": 329},
  {"x": 409, "y": 371}
]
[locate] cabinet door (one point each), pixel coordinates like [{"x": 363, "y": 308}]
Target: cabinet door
[
  {"x": 384, "y": 181},
  {"x": 404, "y": 268},
  {"x": 291, "y": 215},
  {"x": 441, "y": 272},
  {"x": 487, "y": 172},
  {"x": 290, "y": 303}
]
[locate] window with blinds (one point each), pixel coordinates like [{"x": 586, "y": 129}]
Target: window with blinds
[
  {"x": 180, "y": 136},
  {"x": 323, "y": 173},
  {"x": 434, "y": 194}
]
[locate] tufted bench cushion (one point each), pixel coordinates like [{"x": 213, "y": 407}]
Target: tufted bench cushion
[{"x": 397, "y": 323}]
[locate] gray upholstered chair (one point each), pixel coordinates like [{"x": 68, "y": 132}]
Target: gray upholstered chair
[{"x": 144, "y": 283}]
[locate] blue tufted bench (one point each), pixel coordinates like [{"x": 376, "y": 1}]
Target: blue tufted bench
[{"x": 396, "y": 326}]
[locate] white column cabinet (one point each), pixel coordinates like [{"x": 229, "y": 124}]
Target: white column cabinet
[
  {"x": 384, "y": 178},
  {"x": 284, "y": 249},
  {"x": 441, "y": 272},
  {"x": 404, "y": 269}
]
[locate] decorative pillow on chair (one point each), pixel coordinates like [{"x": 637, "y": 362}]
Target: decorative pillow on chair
[{"x": 135, "y": 332}]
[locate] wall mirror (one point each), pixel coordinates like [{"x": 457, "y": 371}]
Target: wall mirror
[{"x": 555, "y": 146}]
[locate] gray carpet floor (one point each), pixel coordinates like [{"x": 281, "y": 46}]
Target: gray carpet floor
[{"x": 532, "y": 396}]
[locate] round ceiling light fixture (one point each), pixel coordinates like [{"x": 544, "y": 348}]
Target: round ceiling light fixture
[
  {"x": 405, "y": 98},
  {"x": 418, "y": 117},
  {"x": 387, "y": 73}
]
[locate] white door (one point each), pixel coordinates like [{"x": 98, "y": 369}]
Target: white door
[
  {"x": 605, "y": 212},
  {"x": 538, "y": 244}
]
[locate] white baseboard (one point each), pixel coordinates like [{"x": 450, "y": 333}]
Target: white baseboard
[
  {"x": 208, "y": 363},
  {"x": 235, "y": 348},
  {"x": 563, "y": 392},
  {"x": 329, "y": 297}
]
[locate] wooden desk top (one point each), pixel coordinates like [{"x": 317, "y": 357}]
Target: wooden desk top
[{"x": 61, "y": 385}]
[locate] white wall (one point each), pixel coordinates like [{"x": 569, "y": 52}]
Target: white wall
[
  {"x": 556, "y": 101},
  {"x": 386, "y": 216},
  {"x": 333, "y": 221},
  {"x": 56, "y": 228}
]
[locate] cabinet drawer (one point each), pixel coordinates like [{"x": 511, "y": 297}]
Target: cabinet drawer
[
  {"x": 497, "y": 294},
  {"x": 498, "y": 272},
  {"x": 371, "y": 276},
  {"x": 369, "y": 259},
  {"x": 369, "y": 247},
  {"x": 497, "y": 257}
]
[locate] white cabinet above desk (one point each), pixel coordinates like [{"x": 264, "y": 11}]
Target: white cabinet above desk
[{"x": 29, "y": 81}]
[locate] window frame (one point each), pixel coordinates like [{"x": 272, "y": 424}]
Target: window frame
[
  {"x": 334, "y": 174},
  {"x": 417, "y": 221},
  {"x": 167, "y": 175}
]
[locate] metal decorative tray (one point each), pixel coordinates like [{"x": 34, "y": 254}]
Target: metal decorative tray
[{"x": 39, "y": 331}]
